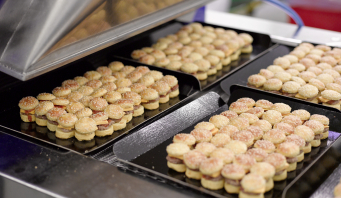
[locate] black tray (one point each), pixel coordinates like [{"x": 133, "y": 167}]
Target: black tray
[
  {"x": 10, "y": 120},
  {"x": 152, "y": 159},
  {"x": 261, "y": 43}
]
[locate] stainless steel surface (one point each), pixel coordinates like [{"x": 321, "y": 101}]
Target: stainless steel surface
[
  {"x": 279, "y": 32},
  {"x": 40, "y": 35}
]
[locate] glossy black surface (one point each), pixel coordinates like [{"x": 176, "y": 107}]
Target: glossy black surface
[
  {"x": 9, "y": 116},
  {"x": 153, "y": 159},
  {"x": 261, "y": 43}
]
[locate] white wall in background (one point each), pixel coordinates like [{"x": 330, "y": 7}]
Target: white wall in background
[{"x": 219, "y": 5}]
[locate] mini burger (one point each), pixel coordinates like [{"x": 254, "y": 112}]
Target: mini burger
[
  {"x": 283, "y": 62},
  {"x": 273, "y": 85},
  {"x": 256, "y": 131},
  {"x": 85, "y": 90},
  {"x": 267, "y": 171},
  {"x": 81, "y": 80},
  {"x": 265, "y": 104},
  {"x": 275, "y": 136},
  {"x": 146, "y": 80},
  {"x": 220, "y": 139},
  {"x": 205, "y": 147},
  {"x": 128, "y": 108},
  {"x": 203, "y": 67},
  {"x": 272, "y": 116},
  {"x": 92, "y": 75},
  {"x": 75, "y": 96},
  {"x": 112, "y": 96},
  {"x": 190, "y": 68},
  {"x": 248, "y": 101},
  {"x": 233, "y": 175},
  {"x": 192, "y": 160},
  {"x": 290, "y": 88},
  {"x": 256, "y": 81},
  {"x": 257, "y": 111},
  {"x": 275, "y": 68},
  {"x": 66, "y": 124},
  {"x": 238, "y": 107},
  {"x": 98, "y": 93},
  {"x": 252, "y": 118},
  {"x": 229, "y": 114},
  {"x": 103, "y": 126},
  {"x": 116, "y": 66},
  {"x": 265, "y": 145},
  {"x": 257, "y": 153},
  {"x": 223, "y": 153},
  {"x": 98, "y": 105},
  {"x": 41, "y": 111},
  {"x": 284, "y": 109},
  {"x": 86, "y": 100},
  {"x": 291, "y": 151},
  {"x": 293, "y": 59},
  {"x": 247, "y": 48},
  {"x": 201, "y": 135},
  {"x": 266, "y": 73},
  {"x": 85, "y": 129},
  {"x": 211, "y": 173},
  {"x": 73, "y": 107},
  {"x": 94, "y": 84},
  {"x": 300, "y": 142},
  {"x": 287, "y": 128},
  {"x": 236, "y": 146},
  {"x": 27, "y": 106},
  {"x": 307, "y": 134},
  {"x": 330, "y": 98},
  {"x": 304, "y": 115},
  {"x": 264, "y": 125},
  {"x": 175, "y": 157},
  {"x": 138, "y": 108},
  {"x": 163, "y": 89},
  {"x": 325, "y": 121},
  {"x": 219, "y": 121},
  {"x": 104, "y": 71},
  {"x": 60, "y": 102},
  {"x": 240, "y": 123},
  {"x": 52, "y": 116},
  {"x": 150, "y": 99},
  {"x": 283, "y": 76},
  {"x": 185, "y": 138},
  {"x": 115, "y": 114},
  {"x": 308, "y": 93},
  {"x": 72, "y": 84},
  {"x": 45, "y": 97},
  {"x": 317, "y": 127},
  {"x": 61, "y": 92},
  {"x": 244, "y": 136},
  {"x": 138, "y": 87},
  {"x": 244, "y": 160},
  {"x": 208, "y": 126},
  {"x": 82, "y": 113},
  {"x": 278, "y": 161},
  {"x": 228, "y": 129},
  {"x": 173, "y": 84}
]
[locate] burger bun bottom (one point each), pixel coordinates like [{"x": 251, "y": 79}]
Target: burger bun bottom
[
  {"x": 212, "y": 185},
  {"x": 292, "y": 167},
  {"x": 307, "y": 149},
  {"x": 281, "y": 177},
  {"x": 41, "y": 122},
  {"x": 247, "y": 49},
  {"x": 211, "y": 71},
  {"x": 243, "y": 195},
  {"x": 269, "y": 185},
  {"x": 336, "y": 106},
  {"x": 25, "y": 118},
  {"x": 234, "y": 56},
  {"x": 201, "y": 76},
  {"x": 226, "y": 61},
  {"x": 231, "y": 188},
  {"x": 63, "y": 135},
  {"x": 300, "y": 157},
  {"x": 51, "y": 127},
  {"x": 102, "y": 133},
  {"x": 151, "y": 106},
  {"x": 84, "y": 136},
  {"x": 164, "y": 99},
  {"x": 174, "y": 94},
  {"x": 139, "y": 111},
  {"x": 177, "y": 167},
  {"x": 121, "y": 125},
  {"x": 193, "y": 174},
  {"x": 219, "y": 66},
  {"x": 128, "y": 117},
  {"x": 315, "y": 143},
  {"x": 325, "y": 135}
]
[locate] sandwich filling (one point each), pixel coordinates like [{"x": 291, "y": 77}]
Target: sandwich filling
[
  {"x": 52, "y": 122},
  {"x": 150, "y": 101},
  {"x": 233, "y": 182},
  {"x": 174, "y": 160},
  {"x": 318, "y": 137},
  {"x": 60, "y": 106},
  {"x": 304, "y": 98},
  {"x": 331, "y": 102},
  {"x": 43, "y": 117},
  {"x": 291, "y": 160},
  {"x": 208, "y": 177},
  {"x": 162, "y": 96},
  {"x": 175, "y": 88},
  {"x": 28, "y": 113}
]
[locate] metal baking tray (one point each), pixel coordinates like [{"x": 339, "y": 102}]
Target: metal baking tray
[
  {"x": 132, "y": 150},
  {"x": 261, "y": 43},
  {"x": 10, "y": 119}
]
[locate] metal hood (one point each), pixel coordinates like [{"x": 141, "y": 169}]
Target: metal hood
[{"x": 37, "y": 36}]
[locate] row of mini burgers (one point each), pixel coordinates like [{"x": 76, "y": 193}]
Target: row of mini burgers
[
  {"x": 109, "y": 97},
  {"x": 196, "y": 49},
  {"x": 309, "y": 73},
  {"x": 248, "y": 147}
]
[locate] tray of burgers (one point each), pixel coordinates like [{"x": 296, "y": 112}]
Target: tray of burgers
[
  {"x": 206, "y": 51},
  {"x": 93, "y": 108},
  {"x": 256, "y": 145},
  {"x": 306, "y": 72}
]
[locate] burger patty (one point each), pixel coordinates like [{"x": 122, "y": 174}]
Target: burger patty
[
  {"x": 288, "y": 94},
  {"x": 66, "y": 130},
  {"x": 52, "y": 122},
  {"x": 43, "y": 117},
  {"x": 326, "y": 129},
  {"x": 175, "y": 87},
  {"x": 249, "y": 193},
  {"x": 59, "y": 106},
  {"x": 128, "y": 112},
  {"x": 136, "y": 107},
  {"x": 151, "y": 101},
  {"x": 94, "y": 111},
  {"x": 212, "y": 67},
  {"x": 291, "y": 160},
  {"x": 220, "y": 177},
  {"x": 232, "y": 182},
  {"x": 310, "y": 99},
  {"x": 280, "y": 172},
  {"x": 106, "y": 126},
  {"x": 274, "y": 91},
  {"x": 162, "y": 96},
  {"x": 174, "y": 160},
  {"x": 200, "y": 72},
  {"x": 333, "y": 102},
  {"x": 318, "y": 137},
  {"x": 252, "y": 86},
  {"x": 307, "y": 143},
  {"x": 197, "y": 170}
]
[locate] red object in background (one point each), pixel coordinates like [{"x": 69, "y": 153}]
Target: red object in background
[{"x": 323, "y": 19}]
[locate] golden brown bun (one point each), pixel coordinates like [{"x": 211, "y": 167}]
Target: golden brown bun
[
  {"x": 236, "y": 146},
  {"x": 85, "y": 136},
  {"x": 109, "y": 86},
  {"x": 223, "y": 153},
  {"x": 98, "y": 104},
  {"x": 85, "y": 125},
  {"x": 151, "y": 106},
  {"x": 127, "y": 69},
  {"x": 277, "y": 160},
  {"x": 263, "y": 169},
  {"x": 85, "y": 112},
  {"x": 275, "y": 68},
  {"x": 126, "y": 104},
  {"x": 28, "y": 103},
  {"x": 248, "y": 101},
  {"x": 292, "y": 120},
  {"x": 112, "y": 96},
  {"x": 132, "y": 96},
  {"x": 302, "y": 114},
  {"x": 238, "y": 107},
  {"x": 280, "y": 177},
  {"x": 212, "y": 185},
  {"x": 60, "y": 101},
  {"x": 102, "y": 133},
  {"x": 256, "y": 80},
  {"x": 99, "y": 92},
  {"x": 149, "y": 94},
  {"x": 85, "y": 100},
  {"x": 81, "y": 80},
  {"x": 272, "y": 116},
  {"x": 73, "y": 107},
  {"x": 161, "y": 87},
  {"x": 100, "y": 116},
  {"x": 54, "y": 113},
  {"x": 193, "y": 159},
  {"x": 51, "y": 127},
  {"x": 293, "y": 59},
  {"x": 266, "y": 73},
  {"x": 252, "y": 118},
  {"x": 61, "y": 91},
  {"x": 257, "y": 153},
  {"x": 138, "y": 111},
  {"x": 325, "y": 78},
  {"x": 72, "y": 84},
  {"x": 256, "y": 131},
  {"x": 128, "y": 117},
  {"x": 43, "y": 107},
  {"x": 92, "y": 75},
  {"x": 253, "y": 183},
  {"x": 231, "y": 189},
  {"x": 275, "y": 136},
  {"x": 265, "y": 145},
  {"x": 229, "y": 114},
  {"x": 298, "y": 140},
  {"x": 233, "y": 171},
  {"x": 46, "y": 96},
  {"x": 321, "y": 118},
  {"x": 185, "y": 138},
  {"x": 136, "y": 54},
  {"x": 95, "y": 84},
  {"x": 138, "y": 87},
  {"x": 62, "y": 135},
  {"x": 25, "y": 118},
  {"x": 121, "y": 125},
  {"x": 220, "y": 139},
  {"x": 177, "y": 167},
  {"x": 331, "y": 95},
  {"x": 243, "y": 136},
  {"x": 193, "y": 174},
  {"x": 305, "y": 132},
  {"x": 75, "y": 96},
  {"x": 283, "y": 76},
  {"x": 104, "y": 71},
  {"x": 107, "y": 79},
  {"x": 287, "y": 128},
  {"x": 288, "y": 149},
  {"x": 264, "y": 125},
  {"x": 228, "y": 129},
  {"x": 41, "y": 122},
  {"x": 219, "y": 121},
  {"x": 265, "y": 104},
  {"x": 316, "y": 126},
  {"x": 202, "y": 135},
  {"x": 211, "y": 166},
  {"x": 273, "y": 84},
  {"x": 67, "y": 120},
  {"x": 85, "y": 90},
  {"x": 240, "y": 123},
  {"x": 177, "y": 150}
]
